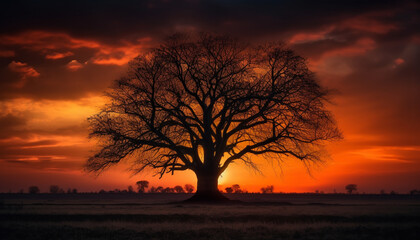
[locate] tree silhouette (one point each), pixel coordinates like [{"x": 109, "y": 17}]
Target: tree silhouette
[
  {"x": 189, "y": 188},
  {"x": 33, "y": 189},
  {"x": 179, "y": 189},
  {"x": 268, "y": 189},
  {"x": 202, "y": 102},
  {"x": 236, "y": 188},
  {"x": 229, "y": 190},
  {"x": 142, "y": 185},
  {"x": 54, "y": 189},
  {"x": 351, "y": 187}
]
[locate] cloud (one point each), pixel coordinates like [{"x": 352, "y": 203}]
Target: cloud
[
  {"x": 397, "y": 62},
  {"x": 57, "y": 45},
  {"x": 74, "y": 65},
  {"x": 24, "y": 70},
  {"x": 58, "y": 55},
  {"x": 7, "y": 53}
]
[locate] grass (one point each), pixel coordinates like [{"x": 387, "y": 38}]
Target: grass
[{"x": 122, "y": 217}]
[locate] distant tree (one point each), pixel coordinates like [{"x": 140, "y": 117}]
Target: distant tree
[
  {"x": 179, "y": 189},
  {"x": 351, "y": 187},
  {"x": 202, "y": 102},
  {"x": 189, "y": 188},
  {"x": 168, "y": 190},
  {"x": 393, "y": 192},
  {"x": 414, "y": 192},
  {"x": 268, "y": 189},
  {"x": 130, "y": 189},
  {"x": 102, "y": 191},
  {"x": 69, "y": 191},
  {"x": 152, "y": 190},
  {"x": 382, "y": 192},
  {"x": 159, "y": 189},
  {"x": 229, "y": 190},
  {"x": 74, "y": 191},
  {"x": 142, "y": 185},
  {"x": 54, "y": 189},
  {"x": 236, "y": 188},
  {"x": 33, "y": 189}
]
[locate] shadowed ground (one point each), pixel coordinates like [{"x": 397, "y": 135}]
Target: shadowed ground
[{"x": 271, "y": 216}]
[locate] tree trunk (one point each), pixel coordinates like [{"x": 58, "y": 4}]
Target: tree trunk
[{"x": 207, "y": 189}]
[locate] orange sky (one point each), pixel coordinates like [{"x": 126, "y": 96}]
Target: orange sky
[{"x": 52, "y": 77}]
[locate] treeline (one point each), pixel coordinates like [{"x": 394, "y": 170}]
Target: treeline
[{"x": 143, "y": 187}]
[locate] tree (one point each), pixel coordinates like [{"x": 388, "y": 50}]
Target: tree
[
  {"x": 159, "y": 189},
  {"x": 168, "y": 190},
  {"x": 142, "y": 185},
  {"x": 189, "y": 188},
  {"x": 179, "y": 189},
  {"x": 229, "y": 190},
  {"x": 203, "y": 102},
  {"x": 33, "y": 189},
  {"x": 268, "y": 189},
  {"x": 351, "y": 187},
  {"x": 236, "y": 188},
  {"x": 54, "y": 189},
  {"x": 130, "y": 189}
]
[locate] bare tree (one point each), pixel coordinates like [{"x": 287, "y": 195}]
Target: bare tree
[
  {"x": 202, "y": 102},
  {"x": 350, "y": 188},
  {"x": 142, "y": 185}
]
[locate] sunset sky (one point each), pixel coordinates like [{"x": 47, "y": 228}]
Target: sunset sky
[{"x": 58, "y": 57}]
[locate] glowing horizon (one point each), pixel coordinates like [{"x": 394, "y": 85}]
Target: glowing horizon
[{"x": 53, "y": 79}]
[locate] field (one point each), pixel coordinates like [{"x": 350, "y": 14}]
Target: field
[{"x": 162, "y": 216}]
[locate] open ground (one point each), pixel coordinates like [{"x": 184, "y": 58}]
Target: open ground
[{"x": 164, "y": 216}]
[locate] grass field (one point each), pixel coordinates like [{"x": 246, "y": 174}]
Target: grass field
[{"x": 161, "y": 216}]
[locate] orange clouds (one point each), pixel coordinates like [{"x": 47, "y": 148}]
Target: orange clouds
[
  {"x": 59, "y": 45},
  {"x": 74, "y": 65},
  {"x": 370, "y": 23},
  {"x": 310, "y": 36},
  {"x": 24, "y": 70},
  {"x": 58, "y": 55}
]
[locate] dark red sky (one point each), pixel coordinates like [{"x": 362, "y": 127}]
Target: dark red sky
[{"x": 57, "y": 58}]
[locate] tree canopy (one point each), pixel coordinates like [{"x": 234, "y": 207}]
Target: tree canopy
[{"x": 203, "y": 102}]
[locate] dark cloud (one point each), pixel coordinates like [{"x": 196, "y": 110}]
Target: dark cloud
[{"x": 113, "y": 19}]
